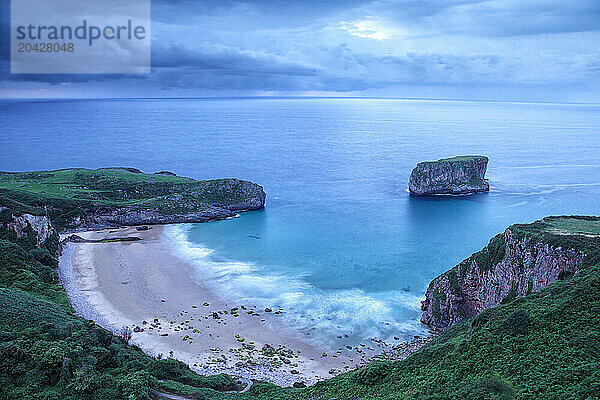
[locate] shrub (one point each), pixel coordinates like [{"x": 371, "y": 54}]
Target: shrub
[
  {"x": 481, "y": 320},
  {"x": 371, "y": 374},
  {"x": 137, "y": 385},
  {"x": 44, "y": 257},
  {"x": 517, "y": 323},
  {"x": 493, "y": 387},
  {"x": 455, "y": 287},
  {"x": 6, "y": 337},
  {"x": 52, "y": 395}
]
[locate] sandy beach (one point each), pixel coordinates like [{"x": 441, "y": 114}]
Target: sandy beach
[{"x": 143, "y": 285}]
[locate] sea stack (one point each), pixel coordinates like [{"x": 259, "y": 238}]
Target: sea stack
[{"x": 456, "y": 175}]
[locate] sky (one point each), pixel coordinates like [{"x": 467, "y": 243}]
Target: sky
[{"x": 521, "y": 50}]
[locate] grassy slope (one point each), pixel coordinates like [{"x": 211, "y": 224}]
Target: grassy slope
[{"x": 70, "y": 191}]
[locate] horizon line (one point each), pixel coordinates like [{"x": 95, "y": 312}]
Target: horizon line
[{"x": 283, "y": 97}]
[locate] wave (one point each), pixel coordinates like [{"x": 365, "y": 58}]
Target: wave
[
  {"x": 546, "y": 166},
  {"x": 318, "y": 314},
  {"x": 503, "y": 187}
]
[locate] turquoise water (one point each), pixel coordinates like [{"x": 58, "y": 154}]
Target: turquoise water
[{"x": 341, "y": 246}]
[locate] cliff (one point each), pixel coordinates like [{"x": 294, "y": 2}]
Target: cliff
[
  {"x": 522, "y": 260},
  {"x": 81, "y": 199},
  {"x": 457, "y": 175},
  {"x": 37, "y": 227}
]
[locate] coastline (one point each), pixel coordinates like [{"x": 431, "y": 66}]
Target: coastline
[{"x": 172, "y": 312}]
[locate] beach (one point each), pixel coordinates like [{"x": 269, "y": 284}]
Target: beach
[{"x": 142, "y": 287}]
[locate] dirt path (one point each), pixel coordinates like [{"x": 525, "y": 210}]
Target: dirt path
[{"x": 158, "y": 395}]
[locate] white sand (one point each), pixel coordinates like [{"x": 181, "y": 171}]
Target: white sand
[{"x": 125, "y": 283}]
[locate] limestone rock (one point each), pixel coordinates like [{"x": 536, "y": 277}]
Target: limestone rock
[
  {"x": 507, "y": 268},
  {"x": 457, "y": 175},
  {"x": 39, "y": 224}
]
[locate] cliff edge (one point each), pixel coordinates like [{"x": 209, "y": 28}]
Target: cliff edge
[
  {"x": 456, "y": 175},
  {"x": 83, "y": 199},
  {"x": 523, "y": 260}
]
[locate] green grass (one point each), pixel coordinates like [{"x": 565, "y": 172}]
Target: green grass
[
  {"x": 111, "y": 187},
  {"x": 83, "y": 184},
  {"x": 46, "y": 351},
  {"x": 573, "y": 226},
  {"x": 545, "y": 231},
  {"x": 70, "y": 193}
]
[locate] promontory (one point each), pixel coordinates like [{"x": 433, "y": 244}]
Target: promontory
[
  {"x": 456, "y": 175},
  {"x": 523, "y": 260},
  {"x": 84, "y": 199}
]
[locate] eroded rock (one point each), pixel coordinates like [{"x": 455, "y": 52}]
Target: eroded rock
[{"x": 457, "y": 175}]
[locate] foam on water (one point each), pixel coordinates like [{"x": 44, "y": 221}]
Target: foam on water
[{"x": 320, "y": 315}]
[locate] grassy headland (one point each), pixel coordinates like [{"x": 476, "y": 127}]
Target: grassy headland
[
  {"x": 47, "y": 352},
  {"x": 79, "y": 198}
]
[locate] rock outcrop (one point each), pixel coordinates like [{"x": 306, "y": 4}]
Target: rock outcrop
[
  {"x": 457, "y": 175},
  {"x": 37, "y": 226},
  {"x": 507, "y": 268},
  {"x": 168, "y": 173},
  {"x": 105, "y": 217},
  {"x": 246, "y": 196},
  {"x": 112, "y": 197}
]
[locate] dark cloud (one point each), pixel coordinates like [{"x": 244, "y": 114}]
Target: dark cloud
[
  {"x": 260, "y": 14},
  {"x": 226, "y": 59},
  {"x": 278, "y": 45}
]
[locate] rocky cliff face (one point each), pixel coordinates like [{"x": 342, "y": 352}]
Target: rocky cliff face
[
  {"x": 458, "y": 175},
  {"x": 25, "y": 224},
  {"x": 247, "y": 196},
  {"x": 110, "y": 217},
  {"x": 505, "y": 269}
]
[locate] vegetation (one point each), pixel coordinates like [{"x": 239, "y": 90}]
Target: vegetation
[
  {"x": 490, "y": 255},
  {"x": 462, "y": 158},
  {"x": 67, "y": 194},
  {"x": 542, "y": 346}
]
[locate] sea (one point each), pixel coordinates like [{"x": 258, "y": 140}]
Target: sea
[{"x": 340, "y": 246}]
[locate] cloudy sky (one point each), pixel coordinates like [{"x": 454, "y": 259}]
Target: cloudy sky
[{"x": 543, "y": 50}]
